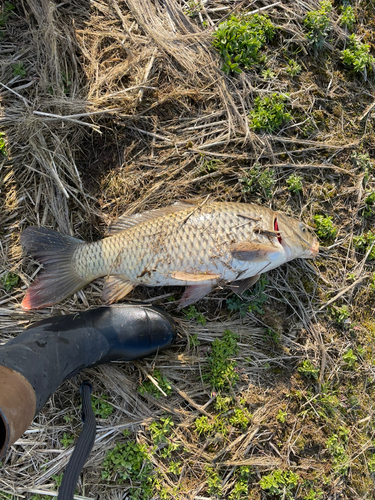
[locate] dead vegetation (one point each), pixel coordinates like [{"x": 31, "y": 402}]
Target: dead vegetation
[{"x": 120, "y": 106}]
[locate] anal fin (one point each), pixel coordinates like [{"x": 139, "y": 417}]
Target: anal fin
[
  {"x": 240, "y": 286},
  {"x": 193, "y": 293},
  {"x": 115, "y": 288}
]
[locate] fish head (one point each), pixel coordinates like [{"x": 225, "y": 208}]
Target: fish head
[{"x": 296, "y": 238}]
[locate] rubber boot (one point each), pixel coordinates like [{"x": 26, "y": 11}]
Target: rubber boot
[{"x": 36, "y": 362}]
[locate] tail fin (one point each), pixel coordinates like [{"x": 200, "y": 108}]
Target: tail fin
[{"x": 58, "y": 279}]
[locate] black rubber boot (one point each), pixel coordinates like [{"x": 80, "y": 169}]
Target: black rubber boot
[{"x": 35, "y": 363}]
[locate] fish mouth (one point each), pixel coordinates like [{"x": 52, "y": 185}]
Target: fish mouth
[{"x": 315, "y": 249}]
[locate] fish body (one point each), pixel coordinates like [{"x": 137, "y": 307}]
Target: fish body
[{"x": 184, "y": 244}]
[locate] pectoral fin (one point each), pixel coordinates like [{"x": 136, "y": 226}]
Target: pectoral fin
[
  {"x": 193, "y": 293},
  {"x": 184, "y": 276},
  {"x": 253, "y": 252},
  {"x": 240, "y": 286},
  {"x": 115, "y": 288}
]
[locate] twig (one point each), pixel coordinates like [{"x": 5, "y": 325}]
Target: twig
[
  {"x": 308, "y": 165},
  {"x": 26, "y": 101},
  {"x": 190, "y": 401},
  {"x": 151, "y": 134},
  {"x": 147, "y": 73},
  {"x": 195, "y": 209},
  {"x": 367, "y": 111},
  {"x": 262, "y": 8},
  {"x": 343, "y": 292},
  {"x": 80, "y": 115},
  {"x": 155, "y": 382},
  {"x": 318, "y": 145},
  {"x": 66, "y": 118}
]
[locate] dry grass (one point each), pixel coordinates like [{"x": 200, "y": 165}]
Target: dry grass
[{"x": 123, "y": 107}]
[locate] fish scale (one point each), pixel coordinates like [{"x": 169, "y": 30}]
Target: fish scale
[{"x": 184, "y": 244}]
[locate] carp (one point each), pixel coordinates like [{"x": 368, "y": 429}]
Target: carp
[{"x": 196, "y": 245}]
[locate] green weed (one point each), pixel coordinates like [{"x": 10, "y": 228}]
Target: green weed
[
  {"x": 364, "y": 162},
  {"x": 324, "y": 227},
  {"x": 160, "y": 430},
  {"x": 269, "y": 113},
  {"x": 204, "y": 426},
  {"x": 208, "y": 166},
  {"x": 294, "y": 183},
  {"x": 150, "y": 388},
  {"x": 327, "y": 402},
  {"x": 308, "y": 370},
  {"x": 350, "y": 359},
  {"x": 240, "y": 418},
  {"x": 337, "y": 445},
  {"x": 174, "y": 467},
  {"x": 240, "y": 39},
  {"x": 237, "y": 304},
  {"x": 341, "y": 314},
  {"x": 293, "y": 68},
  {"x": 240, "y": 489},
  {"x": 130, "y": 462},
  {"x": 6, "y": 11},
  {"x": 364, "y": 242},
  {"x": 372, "y": 282},
  {"x": 371, "y": 463},
  {"x": 281, "y": 416},
  {"x": 214, "y": 482},
  {"x": 272, "y": 336},
  {"x": 268, "y": 74},
  {"x": 369, "y": 205},
  {"x": 9, "y": 281},
  {"x": 358, "y": 56},
  {"x": 19, "y": 70},
  {"x": 193, "y": 7},
  {"x": 280, "y": 483},
  {"x": 251, "y": 300},
  {"x": 192, "y": 313},
  {"x": 101, "y": 407},
  {"x": 221, "y": 372},
  {"x": 259, "y": 180},
  {"x": 319, "y": 24},
  {"x": 3, "y": 144},
  {"x": 222, "y": 403},
  {"x": 58, "y": 479},
  {"x": 347, "y": 18},
  {"x": 169, "y": 450},
  {"x": 194, "y": 340},
  {"x": 66, "y": 78},
  {"x": 314, "y": 494},
  {"x": 67, "y": 440},
  {"x": 210, "y": 427},
  {"x": 323, "y": 405}
]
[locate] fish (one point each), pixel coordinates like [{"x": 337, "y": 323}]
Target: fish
[{"x": 198, "y": 245}]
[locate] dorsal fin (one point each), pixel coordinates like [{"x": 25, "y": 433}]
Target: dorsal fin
[{"x": 124, "y": 222}]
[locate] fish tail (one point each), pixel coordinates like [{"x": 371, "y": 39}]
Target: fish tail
[{"x": 59, "y": 278}]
